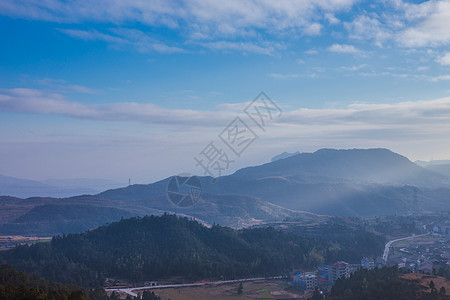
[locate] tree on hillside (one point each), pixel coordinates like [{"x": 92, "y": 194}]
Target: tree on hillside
[
  {"x": 316, "y": 295},
  {"x": 240, "y": 289},
  {"x": 147, "y": 295},
  {"x": 432, "y": 287}
]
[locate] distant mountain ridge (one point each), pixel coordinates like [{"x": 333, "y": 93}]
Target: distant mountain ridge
[
  {"x": 443, "y": 169},
  {"x": 372, "y": 165},
  {"x": 355, "y": 182},
  {"x": 54, "y": 219},
  {"x": 433, "y": 162},
  {"x": 57, "y": 188},
  {"x": 439, "y": 166},
  {"x": 352, "y": 182},
  {"x": 283, "y": 155},
  {"x": 50, "y": 216}
]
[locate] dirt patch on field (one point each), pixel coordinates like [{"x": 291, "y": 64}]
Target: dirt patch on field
[
  {"x": 10, "y": 241},
  {"x": 424, "y": 281},
  {"x": 284, "y": 294}
]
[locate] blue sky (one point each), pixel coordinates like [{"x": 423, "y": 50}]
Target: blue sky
[{"x": 119, "y": 89}]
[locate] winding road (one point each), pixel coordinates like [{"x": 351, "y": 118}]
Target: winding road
[
  {"x": 388, "y": 244},
  {"x": 130, "y": 291}
]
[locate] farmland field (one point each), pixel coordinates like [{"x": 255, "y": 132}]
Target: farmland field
[{"x": 275, "y": 289}]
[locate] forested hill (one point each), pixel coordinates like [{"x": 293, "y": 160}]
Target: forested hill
[
  {"x": 20, "y": 285},
  {"x": 388, "y": 284},
  {"x": 152, "y": 248}
]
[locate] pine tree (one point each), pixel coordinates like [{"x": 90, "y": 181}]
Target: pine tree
[
  {"x": 432, "y": 287},
  {"x": 240, "y": 289}
]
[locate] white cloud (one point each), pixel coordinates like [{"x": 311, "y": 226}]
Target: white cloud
[
  {"x": 332, "y": 19},
  {"x": 368, "y": 27},
  {"x": 406, "y": 113},
  {"x": 198, "y": 19},
  {"x": 312, "y": 29},
  {"x": 355, "y": 68},
  {"x": 40, "y": 102},
  {"x": 343, "y": 48},
  {"x": 406, "y": 24},
  {"x": 245, "y": 47},
  {"x": 61, "y": 86},
  {"x": 431, "y": 23},
  {"x": 124, "y": 37},
  {"x": 439, "y": 78},
  {"x": 311, "y": 52},
  {"x": 444, "y": 60},
  {"x": 212, "y": 21},
  {"x": 410, "y": 128},
  {"x": 285, "y": 76}
]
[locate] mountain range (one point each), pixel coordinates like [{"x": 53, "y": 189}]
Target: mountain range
[
  {"x": 302, "y": 186},
  {"x": 58, "y": 188},
  {"x": 440, "y": 166},
  {"x": 354, "y": 182}
]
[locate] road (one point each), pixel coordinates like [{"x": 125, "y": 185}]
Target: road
[
  {"x": 388, "y": 244},
  {"x": 130, "y": 291}
]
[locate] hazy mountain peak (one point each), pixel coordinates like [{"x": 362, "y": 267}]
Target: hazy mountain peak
[
  {"x": 372, "y": 165},
  {"x": 284, "y": 155},
  {"x": 433, "y": 162}
]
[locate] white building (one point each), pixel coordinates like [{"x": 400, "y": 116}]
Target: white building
[
  {"x": 367, "y": 263},
  {"x": 338, "y": 270},
  {"x": 305, "y": 281},
  {"x": 379, "y": 262}
]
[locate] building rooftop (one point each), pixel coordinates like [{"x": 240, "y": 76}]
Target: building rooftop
[{"x": 339, "y": 264}]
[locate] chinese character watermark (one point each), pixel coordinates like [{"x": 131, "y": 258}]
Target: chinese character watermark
[
  {"x": 262, "y": 110},
  {"x": 238, "y": 136},
  {"x": 184, "y": 190},
  {"x": 214, "y": 159}
]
